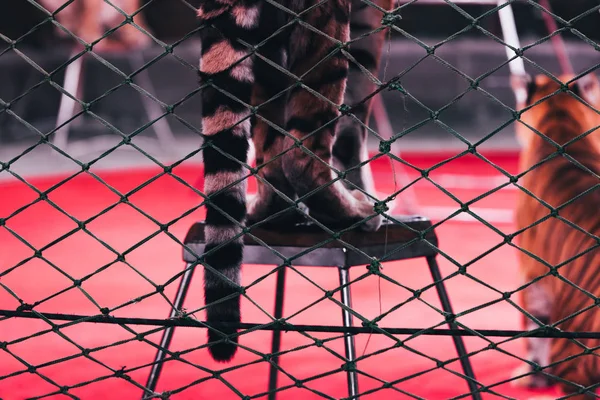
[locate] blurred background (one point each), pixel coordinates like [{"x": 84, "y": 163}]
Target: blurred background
[{"x": 172, "y": 77}]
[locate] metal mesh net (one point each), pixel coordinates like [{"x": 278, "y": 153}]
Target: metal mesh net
[{"x": 146, "y": 329}]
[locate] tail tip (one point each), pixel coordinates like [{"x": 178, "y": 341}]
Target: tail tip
[{"x": 222, "y": 350}]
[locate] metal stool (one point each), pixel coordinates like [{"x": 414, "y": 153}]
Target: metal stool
[{"x": 380, "y": 244}]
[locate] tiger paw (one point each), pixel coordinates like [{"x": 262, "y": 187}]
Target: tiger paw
[
  {"x": 372, "y": 224},
  {"x": 366, "y": 221},
  {"x": 259, "y": 211},
  {"x": 529, "y": 380},
  {"x": 370, "y": 212},
  {"x": 359, "y": 195}
]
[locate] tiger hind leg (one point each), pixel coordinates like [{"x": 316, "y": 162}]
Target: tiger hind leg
[{"x": 311, "y": 119}]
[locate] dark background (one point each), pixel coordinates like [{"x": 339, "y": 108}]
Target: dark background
[
  {"x": 432, "y": 83},
  {"x": 172, "y": 19}
]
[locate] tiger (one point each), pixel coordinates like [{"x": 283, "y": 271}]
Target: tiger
[
  {"x": 561, "y": 120},
  {"x": 89, "y": 20},
  {"x": 251, "y": 53}
]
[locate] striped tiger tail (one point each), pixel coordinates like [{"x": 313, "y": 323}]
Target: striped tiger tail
[{"x": 227, "y": 77}]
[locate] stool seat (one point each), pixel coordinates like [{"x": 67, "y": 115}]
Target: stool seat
[
  {"x": 403, "y": 237},
  {"x": 308, "y": 244}
]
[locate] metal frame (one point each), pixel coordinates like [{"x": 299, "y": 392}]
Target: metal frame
[
  {"x": 339, "y": 257},
  {"x": 165, "y": 341},
  {"x": 349, "y": 345}
]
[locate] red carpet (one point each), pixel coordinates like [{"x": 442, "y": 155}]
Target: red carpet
[{"x": 122, "y": 227}]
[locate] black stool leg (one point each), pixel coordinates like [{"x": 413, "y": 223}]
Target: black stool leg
[
  {"x": 276, "y": 338},
  {"x": 348, "y": 338},
  {"x": 458, "y": 342},
  {"x": 165, "y": 342}
]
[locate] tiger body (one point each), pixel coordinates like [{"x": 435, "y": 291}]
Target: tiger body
[
  {"x": 236, "y": 78},
  {"x": 89, "y": 20},
  {"x": 557, "y": 181}
]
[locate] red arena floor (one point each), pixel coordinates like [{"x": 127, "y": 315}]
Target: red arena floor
[{"x": 80, "y": 252}]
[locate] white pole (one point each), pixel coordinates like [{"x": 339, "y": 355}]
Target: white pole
[
  {"x": 511, "y": 37},
  {"x": 67, "y": 104}
]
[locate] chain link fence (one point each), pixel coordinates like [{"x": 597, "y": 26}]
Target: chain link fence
[{"x": 126, "y": 324}]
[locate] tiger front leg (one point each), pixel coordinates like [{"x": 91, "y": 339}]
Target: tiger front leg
[
  {"x": 272, "y": 206},
  {"x": 329, "y": 202},
  {"x": 318, "y": 62}
]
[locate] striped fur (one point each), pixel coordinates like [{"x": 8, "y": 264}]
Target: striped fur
[
  {"x": 557, "y": 181},
  {"x": 350, "y": 148},
  {"x": 259, "y": 79}
]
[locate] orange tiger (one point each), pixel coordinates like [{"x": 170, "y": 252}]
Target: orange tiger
[{"x": 566, "y": 180}]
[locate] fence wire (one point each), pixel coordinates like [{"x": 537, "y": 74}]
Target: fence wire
[{"x": 142, "y": 328}]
